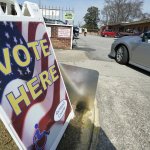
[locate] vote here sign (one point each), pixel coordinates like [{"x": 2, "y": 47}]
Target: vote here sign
[{"x": 33, "y": 98}]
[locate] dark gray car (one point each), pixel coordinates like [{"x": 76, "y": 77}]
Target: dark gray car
[{"x": 132, "y": 49}]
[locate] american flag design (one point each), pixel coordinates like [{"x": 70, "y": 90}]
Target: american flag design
[{"x": 35, "y": 126}]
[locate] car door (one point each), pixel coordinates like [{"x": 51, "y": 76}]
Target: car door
[
  {"x": 109, "y": 33},
  {"x": 141, "y": 53}
]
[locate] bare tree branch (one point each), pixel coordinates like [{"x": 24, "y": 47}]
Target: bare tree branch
[{"x": 116, "y": 11}]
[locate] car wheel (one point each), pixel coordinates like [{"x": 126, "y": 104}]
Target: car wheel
[{"x": 122, "y": 55}]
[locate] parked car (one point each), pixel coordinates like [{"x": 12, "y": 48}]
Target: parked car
[
  {"x": 110, "y": 33},
  {"x": 132, "y": 49},
  {"x": 75, "y": 32}
]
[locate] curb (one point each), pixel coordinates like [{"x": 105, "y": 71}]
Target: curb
[{"x": 96, "y": 128}]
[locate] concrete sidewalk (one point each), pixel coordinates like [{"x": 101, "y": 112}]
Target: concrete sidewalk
[{"x": 123, "y": 101}]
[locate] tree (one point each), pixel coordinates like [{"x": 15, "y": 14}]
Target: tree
[
  {"x": 116, "y": 11},
  {"x": 145, "y": 16},
  {"x": 91, "y": 18}
]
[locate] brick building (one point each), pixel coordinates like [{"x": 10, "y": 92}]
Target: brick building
[
  {"x": 140, "y": 26},
  {"x": 61, "y": 35}
]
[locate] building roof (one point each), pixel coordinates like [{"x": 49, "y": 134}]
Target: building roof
[{"x": 131, "y": 23}]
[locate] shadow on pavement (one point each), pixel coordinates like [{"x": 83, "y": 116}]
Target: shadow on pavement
[
  {"x": 104, "y": 142},
  {"x": 71, "y": 140},
  {"x": 139, "y": 70},
  {"x": 92, "y": 54},
  {"x": 71, "y": 137},
  {"x": 86, "y": 49}
]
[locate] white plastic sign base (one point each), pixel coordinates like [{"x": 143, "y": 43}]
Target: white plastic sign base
[{"x": 34, "y": 103}]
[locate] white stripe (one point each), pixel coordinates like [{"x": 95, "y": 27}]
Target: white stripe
[
  {"x": 40, "y": 31},
  {"x": 62, "y": 95},
  {"x": 25, "y": 27}
]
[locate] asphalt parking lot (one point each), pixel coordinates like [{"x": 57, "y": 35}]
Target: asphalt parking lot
[{"x": 123, "y": 95}]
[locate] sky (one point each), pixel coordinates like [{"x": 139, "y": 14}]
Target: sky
[{"x": 80, "y": 6}]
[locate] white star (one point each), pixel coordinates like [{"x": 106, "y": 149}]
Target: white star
[
  {"x": 0, "y": 81},
  {"x": 19, "y": 53},
  {"x": 20, "y": 72},
  {"x": 28, "y": 70},
  {"x": 10, "y": 74},
  {"x": 25, "y": 57},
  {"x": 15, "y": 40},
  {"x": 8, "y": 45},
  {"x": 21, "y": 41},
  {"x": 11, "y": 25},
  {"x": 7, "y": 35},
  {"x": 5, "y": 23}
]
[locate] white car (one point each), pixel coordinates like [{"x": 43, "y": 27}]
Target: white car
[{"x": 134, "y": 50}]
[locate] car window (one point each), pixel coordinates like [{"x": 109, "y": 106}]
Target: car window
[
  {"x": 148, "y": 35},
  {"x": 108, "y": 30},
  {"x": 145, "y": 37}
]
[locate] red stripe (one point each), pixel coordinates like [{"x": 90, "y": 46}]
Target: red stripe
[
  {"x": 18, "y": 121},
  {"x": 32, "y": 31},
  {"x": 48, "y": 120},
  {"x": 68, "y": 110},
  {"x": 19, "y": 26}
]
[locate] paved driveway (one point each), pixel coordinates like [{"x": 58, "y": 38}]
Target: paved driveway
[
  {"x": 123, "y": 95},
  {"x": 97, "y": 47}
]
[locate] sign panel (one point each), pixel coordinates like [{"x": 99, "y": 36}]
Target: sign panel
[
  {"x": 34, "y": 103},
  {"x": 64, "y": 33},
  {"x": 68, "y": 16},
  {"x": 48, "y": 12}
]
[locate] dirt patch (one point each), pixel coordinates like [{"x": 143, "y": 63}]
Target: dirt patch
[{"x": 6, "y": 142}]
